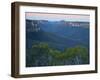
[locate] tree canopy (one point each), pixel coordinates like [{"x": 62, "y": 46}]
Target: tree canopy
[{"x": 43, "y": 55}]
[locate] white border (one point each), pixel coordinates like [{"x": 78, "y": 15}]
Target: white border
[{"x": 53, "y": 69}]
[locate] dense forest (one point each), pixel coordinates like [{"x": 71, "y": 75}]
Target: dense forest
[{"x": 43, "y": 55}]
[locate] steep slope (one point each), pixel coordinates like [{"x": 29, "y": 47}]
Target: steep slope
[{"x": 52, "y": 39}]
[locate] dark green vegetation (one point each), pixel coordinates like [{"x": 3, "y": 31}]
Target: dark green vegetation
[{"x": 43, "y": 55}]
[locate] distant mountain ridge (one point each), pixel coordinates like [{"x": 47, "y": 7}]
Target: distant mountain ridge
[{"x": 67, "y": 23}]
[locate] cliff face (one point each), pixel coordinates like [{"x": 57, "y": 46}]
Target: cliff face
[{"x": 34, "y": 25}]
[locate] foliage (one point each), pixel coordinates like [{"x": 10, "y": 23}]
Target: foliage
[{"x": 42, "y": 54}]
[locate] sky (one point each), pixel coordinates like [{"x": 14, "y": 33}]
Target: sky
[{"x": 57, "y": 17}]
